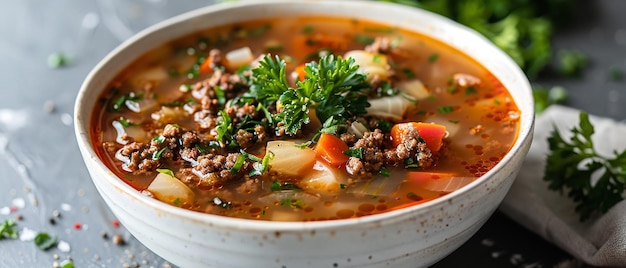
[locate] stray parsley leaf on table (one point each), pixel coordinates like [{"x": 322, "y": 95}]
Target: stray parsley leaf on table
[
  {"x": 571, "y": 166},
  {"x": 7, "y": 230}
]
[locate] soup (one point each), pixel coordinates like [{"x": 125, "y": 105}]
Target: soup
[{"x": 339, "y": 118}]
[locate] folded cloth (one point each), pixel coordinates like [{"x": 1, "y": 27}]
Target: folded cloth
[{"x": 599, "y": 241}]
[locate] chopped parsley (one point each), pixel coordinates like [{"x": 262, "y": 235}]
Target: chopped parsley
[
  {"x": 408, "y": 73},
  {"x": 354, "y": 152},
  {"x": 156, "y": 155},
  {"x": 384, "y": 172},
  {"x": 281, "y": 186},
  {"x": 131, "y": 96},
  {"x": 165, "y": 171},
  {"x": 292, "y": 202},
  {"x": 445, "y": 109},
  {"x": 126, "y": 123},
  {"x": 363, "y": 39},
  {"x": 433, "y": 57}
]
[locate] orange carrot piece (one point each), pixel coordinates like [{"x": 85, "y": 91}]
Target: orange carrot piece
[
  {"x": 432, "y": 134},
  {"x": 300, "y": 72},
  {"x": 206, "y": 67},
  {"x": 330, "y": 148}
]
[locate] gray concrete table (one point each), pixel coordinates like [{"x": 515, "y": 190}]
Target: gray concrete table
[{"x": 45, "y": 184}]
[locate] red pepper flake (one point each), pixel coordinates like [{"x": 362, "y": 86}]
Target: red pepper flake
[
  {"x": 116, "y": 224},
  {"x": 13, "y": 208},
  {"x": 77, "y": 226}
]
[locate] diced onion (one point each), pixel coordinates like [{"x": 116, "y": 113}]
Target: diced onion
[
  {"x": 358, "y": 129},
  {"x": 239, "y": 57},
  {"x": 169, "y": 189},
  {"x": 323, "y": 179},
  {"x": 414, "y": 88},
  {"x": 289, "y": 159},
  {"x": 370, "y": 63},
  {"x": 378, "y": 186},
  {"x": 447, "y": 184},
  {"x": 152, "y": 75},
  {"x": 388, "y": 107}
]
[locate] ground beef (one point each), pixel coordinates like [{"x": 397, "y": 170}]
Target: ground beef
[
  {"x": 213, "y": 170},
  {"x": 137, "y": 157},
  {"x": 378, "y": 151}
]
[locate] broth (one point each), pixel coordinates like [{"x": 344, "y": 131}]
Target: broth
[{"x": 192, "y": 134}]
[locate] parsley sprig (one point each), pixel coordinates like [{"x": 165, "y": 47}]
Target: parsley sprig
[
  {"x": 332, "y": 87},
  {"x": 572, "y": 165}
]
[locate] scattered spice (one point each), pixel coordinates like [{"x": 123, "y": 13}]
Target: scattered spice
[
  {"x": 77, "y": 226},
  {"x": 118, "y": 240},
  {"x": 116, "y": 223}
]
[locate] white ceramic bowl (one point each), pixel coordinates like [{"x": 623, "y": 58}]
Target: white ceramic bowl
[{"x": 411, "y": 237}]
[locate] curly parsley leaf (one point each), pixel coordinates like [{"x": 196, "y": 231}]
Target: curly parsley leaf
[
  {"x": 7, "y": 230},
  {"x": 572, "y": 165},
  {"x": 332, "y": 87}
]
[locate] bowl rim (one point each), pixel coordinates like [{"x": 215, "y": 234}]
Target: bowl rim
[{"x": 82, "y": 124}]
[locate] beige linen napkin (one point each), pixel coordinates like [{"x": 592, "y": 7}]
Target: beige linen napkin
[{"x": 599, "y": 241}]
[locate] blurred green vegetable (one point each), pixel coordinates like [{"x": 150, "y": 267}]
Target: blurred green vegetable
[
  {"x": 572, "y": 62},
  {"x": 545, "y": 97},
  {"x": 522, "y": 28}
]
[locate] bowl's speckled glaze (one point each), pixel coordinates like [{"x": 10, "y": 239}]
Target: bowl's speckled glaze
[{"x": 412, "y": 237}]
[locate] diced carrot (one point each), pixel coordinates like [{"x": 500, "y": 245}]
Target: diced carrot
[
  {"x": 206, "y": 67},
  {"x": 299, "y": 71},
  {"x": 432, "y": 134},
  {"x": 330, "y": 148}
]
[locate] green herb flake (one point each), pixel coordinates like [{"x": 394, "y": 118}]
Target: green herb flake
[
  {"x": 384, "y": 172},
  {"x": 7, "y": 230},
  {"x": 156, "y": 155},
  {"x": 445, "y": 109},
  {"x": 379, "y": 30},
  {"x": 363, "y": 39},
  {"x": 470, "y": 90},
  {"x": 292, "y": 202},
  {"x": 219, "y": 93},
  {"x": 572, "y": 62},
  {"x": 67, "y": 264},
  {"x": 377, "y": 58},
  {"x": 260, "y": 30},
  {"x": 616, "y": 73},
  {"x": 454, "y": 121},
  {"x": 354, "y": 152},
  {"x": 278, "y": 186},
  {"x": 241, "y": 158},
  {"x": 57, "y": 60},
  {"x": 408, "y": 73},
  {"x": 177, "y": 202},
  {"x": 307, "y": 29},
  {"x": 384, "y": 126},
  {"x": 496, "y": 101},
  {"x": 453, "y": 88},
  {"x": 159, "y": 139},
  {"x": 166, "y": 172},
  {"x": 342, "y": 186},
  {"x": 44, "y": 241},
  {"x": 126, "y": 123},
  {"x": 433, "y": 57}
]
